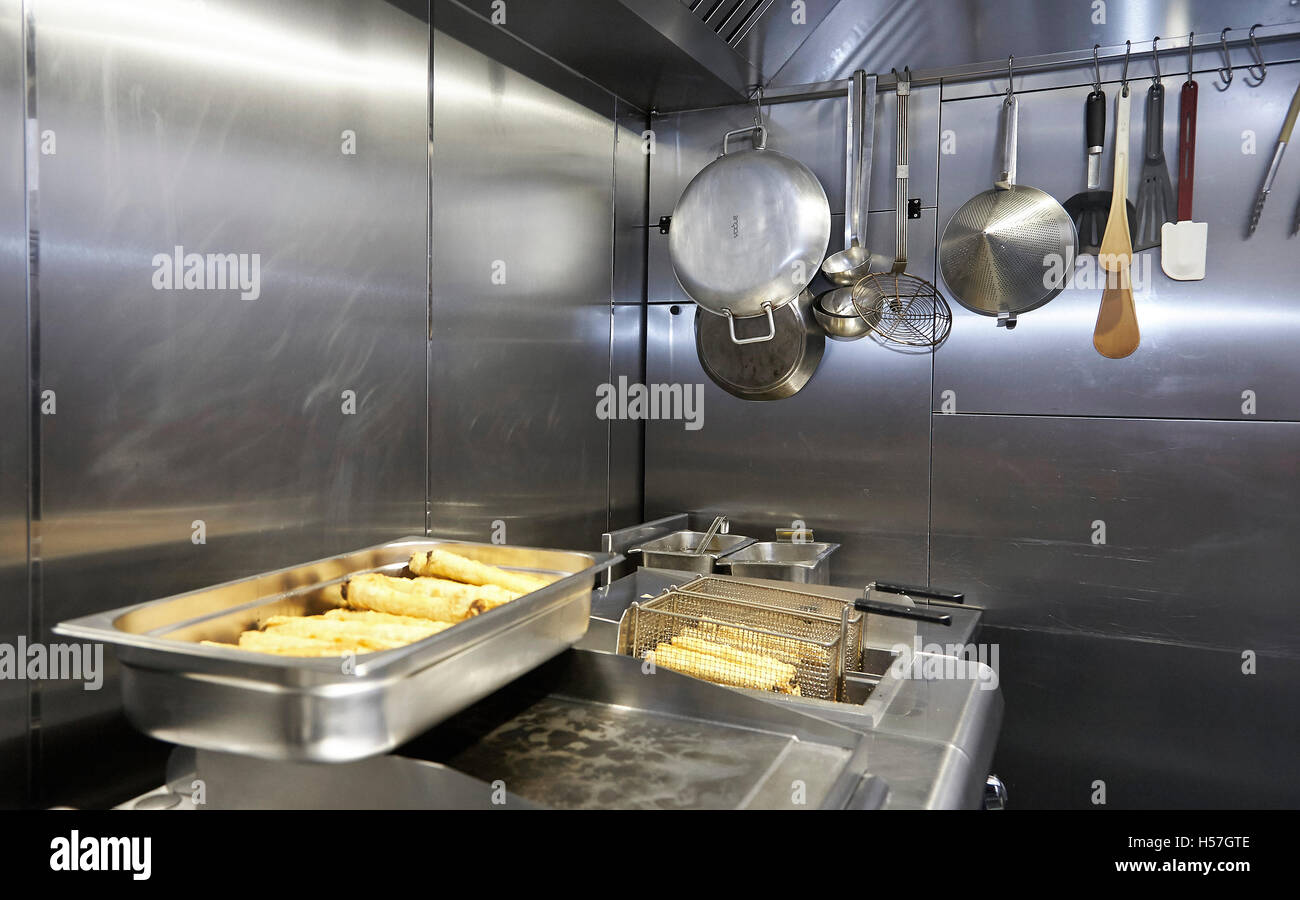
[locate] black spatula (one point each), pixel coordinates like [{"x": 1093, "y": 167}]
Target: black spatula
[{"x": 1091, "y": 208}]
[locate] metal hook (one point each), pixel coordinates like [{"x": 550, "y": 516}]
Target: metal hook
[
  {"x": 1225, "y": 71},
  {"x": 1011, "y": 60},
  {"x": 1191, "y": 42},
  {"x": 1128, "y": 49},
  {"x": 758, "y": 104},
  {"x": 1259, "y": 59},
  {"x": 1096, "y": 69},
  {"x": 1155, "y": 56}
]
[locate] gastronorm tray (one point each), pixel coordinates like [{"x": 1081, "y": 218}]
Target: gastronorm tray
[
  {"x": 331, "y": 709},
  {"x": 676, "y": 551}
]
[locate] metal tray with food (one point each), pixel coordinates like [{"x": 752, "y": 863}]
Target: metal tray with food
[{"x": 190, "y": 674}]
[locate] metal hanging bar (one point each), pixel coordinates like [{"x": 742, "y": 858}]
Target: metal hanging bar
[{"x": 1047, "y": 63}]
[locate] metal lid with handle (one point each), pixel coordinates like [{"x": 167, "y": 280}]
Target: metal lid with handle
[{"x": 749, "y": 232}]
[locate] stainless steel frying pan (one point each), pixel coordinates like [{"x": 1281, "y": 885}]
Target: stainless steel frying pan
[
  {"x": 749, "y": 233},
  {"x": 1009, "y": 249}
]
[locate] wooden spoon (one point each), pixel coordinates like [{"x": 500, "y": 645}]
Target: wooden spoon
[{"x": 1116, "y": 334}]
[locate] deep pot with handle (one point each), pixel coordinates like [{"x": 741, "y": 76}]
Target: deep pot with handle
[{"x": 749, "y": 233}]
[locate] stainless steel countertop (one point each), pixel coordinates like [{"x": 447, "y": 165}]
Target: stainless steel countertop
[{"x": 929, "y": 737}]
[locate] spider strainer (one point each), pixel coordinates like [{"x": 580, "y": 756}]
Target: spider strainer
[
  {"x": 902, "y": 308},
  {"x": 1009, "y": 249}
]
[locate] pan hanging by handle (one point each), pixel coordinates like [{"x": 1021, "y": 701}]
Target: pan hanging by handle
[
  {"x": 1010, "y": 249},
  {"x": 749, "y": 233}
]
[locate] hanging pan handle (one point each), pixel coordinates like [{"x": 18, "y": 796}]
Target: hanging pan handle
[
  {"x": 903, "y": 90},
  {"x": 771, "y": 326},
  {"x": 758, "y": 131},
  {"x": 1011, "y": 109}
]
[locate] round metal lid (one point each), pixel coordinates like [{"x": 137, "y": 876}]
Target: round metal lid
[
  {"x": 1008, "y": 250},
  {"x": 751, "y": 228},
  {"x": 768, "y": 370}
]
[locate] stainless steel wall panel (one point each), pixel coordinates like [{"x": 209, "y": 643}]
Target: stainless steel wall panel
[
  {"x": 631, "y": 187},
  {"x": 626, "y": 436},
  {"x": 927, "y": 34},
  {"x": 14, "y": 403},
  {"x": 1199, "y": 517},
  {"x": 1203, "y": 343},
  {"x": 522, "y": 282},
  {"x": 1164, "y": 726},
  {"x": 848, "y": 455},
  {"x": 223, "y": 130},
  {"x": 627, "y": 322}
]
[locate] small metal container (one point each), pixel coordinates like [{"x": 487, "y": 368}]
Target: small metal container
[
  {"x": 676, "y": 551},
  {"x": 839, "y": 318},
  {"x": 808, "y": 563}
]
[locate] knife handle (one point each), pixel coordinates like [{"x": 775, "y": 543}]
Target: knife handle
[
  {"x": 1095, "y": 121},
  {"x": 1186, "y": 148}
]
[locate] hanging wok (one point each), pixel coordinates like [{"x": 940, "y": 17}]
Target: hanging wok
[{"x": 749, "y": 233}]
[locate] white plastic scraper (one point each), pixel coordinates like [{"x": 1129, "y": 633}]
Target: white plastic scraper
[{"x": 1183, "y": 243}]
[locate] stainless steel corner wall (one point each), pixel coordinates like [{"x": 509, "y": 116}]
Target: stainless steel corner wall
[
  {"x": 526, "y": 279},
  {"x": 1122, "y": 661},
  {"x": 198, "y": 431},
  {"x": 13, "y": 402}
]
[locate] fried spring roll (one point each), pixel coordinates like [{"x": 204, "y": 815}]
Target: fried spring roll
[
  {"x": 788, "y": 650},
  {"x": 711, "y": 668},
  {"x": 369, "y": 634},
  {"x": 782, "y": 672},
  {"x": 378, "y": 618},
  {"x": 444, "y": 564},
  {"x": 489, "y": 596},
  {"x": 402, "y": 597},
  {"x": 288, "y": 645}
]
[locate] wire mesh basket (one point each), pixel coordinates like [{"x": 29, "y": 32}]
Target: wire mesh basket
[
  {"x": 793, "y": 601},
  {"x": 739, "y": 644},
  {"x": 905, "y": 309}
]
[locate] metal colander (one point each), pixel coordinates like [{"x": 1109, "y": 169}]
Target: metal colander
[{"x": 1011, "y": 248}]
